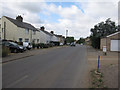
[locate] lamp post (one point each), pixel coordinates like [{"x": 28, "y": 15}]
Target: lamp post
[
  {"x": 66, "y": 33},
  {"x": 66, "y": 37}
]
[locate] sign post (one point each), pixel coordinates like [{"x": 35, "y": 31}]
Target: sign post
[
  {"x": 104, "y": 50},
  {"x": 98, "y": 64}
]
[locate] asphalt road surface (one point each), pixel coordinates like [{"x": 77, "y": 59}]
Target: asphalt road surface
[{"x": 56, "y": 68}]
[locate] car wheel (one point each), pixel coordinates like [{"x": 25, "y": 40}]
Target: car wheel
[{"x": 15, "y": 50}]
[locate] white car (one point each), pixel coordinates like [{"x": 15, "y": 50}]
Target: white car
[
  {"x": 61, "y": 44},
  {"x": 27, "y": 45}
]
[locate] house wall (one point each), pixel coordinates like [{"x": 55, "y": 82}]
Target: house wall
[
  {"x": 36, "y": 37},
  {"x": 43, "y": 37},
  {"x": 102, "y": 43},
  {"x": 61, "y": 39},
  {"x": 55, "y": 39},
  {"x": 10, "y": 29},
  {"x": 21, "y": 33},
  {"x": 48, "y": 38}
]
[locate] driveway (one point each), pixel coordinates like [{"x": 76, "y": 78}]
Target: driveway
[{"x": 57, "y": 68}]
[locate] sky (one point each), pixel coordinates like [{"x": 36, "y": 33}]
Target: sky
[{"x": 78, "y": 17}]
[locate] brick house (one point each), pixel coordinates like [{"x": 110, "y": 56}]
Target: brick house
[{"x": 111, "y": 41}]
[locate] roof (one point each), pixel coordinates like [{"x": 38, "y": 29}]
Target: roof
[
  {"x": 59, "y": 36},
  {"x": 113, "y": 34},
  {"x": 21, "y": 24},
  {"x": 46, "y": 32}
]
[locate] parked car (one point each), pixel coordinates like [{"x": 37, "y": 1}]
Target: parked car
[
  {"x": 61, "y": 44},
  {"x": 72, "y": 44},
  {"x": 13, "y": 47},
  {"x": 27, "y": 45}
]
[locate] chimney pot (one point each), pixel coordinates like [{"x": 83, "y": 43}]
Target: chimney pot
[
  {"x": 42, "y": 28},
  {"x": 19, "y": 18},
  {"x": 52, "y": 32}
]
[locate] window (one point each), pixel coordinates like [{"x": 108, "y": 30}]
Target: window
[
  {"x": 20, "y": 39},
  {"x": 33, "y": 40},
  {"x": 0, "y": 36},
  {"x": 26, "y": 40},
  {"x": 34, "y": 32},
  {"x": 27, "y": 31},
  {"x": 37, "y": 40},
  {"x": 2, "y": 30}
]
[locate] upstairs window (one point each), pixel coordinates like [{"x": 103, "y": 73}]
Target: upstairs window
[
  {"x": 37, "y": 40},
  {"x": 34, "y": 32},
  {"x": 27, "y": 31}
]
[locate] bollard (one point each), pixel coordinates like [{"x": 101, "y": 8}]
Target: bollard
[{"x": 98, "y": 63}]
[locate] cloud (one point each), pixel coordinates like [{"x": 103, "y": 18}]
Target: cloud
[
  {"x": 78, "y": 23},
  {"x": 70, "y": 18}
]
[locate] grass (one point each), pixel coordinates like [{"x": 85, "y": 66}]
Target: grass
[{"x": 97, "y": 80}]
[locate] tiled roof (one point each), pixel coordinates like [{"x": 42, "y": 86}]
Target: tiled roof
[
  {"x": 21, "y": 24},
  {"x": 46, "y": 32}
]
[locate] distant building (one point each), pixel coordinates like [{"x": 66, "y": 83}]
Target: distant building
[
  {"x": 61, "y": 39},
  {"x": 87, "y": 41},
  {"x": 45, "y": 36}
]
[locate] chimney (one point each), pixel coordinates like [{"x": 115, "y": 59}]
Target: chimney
[
  {"x": 52, "y": 32},
  {"x": 19, "y": 18},
  {"x": 42, "y": 28}
]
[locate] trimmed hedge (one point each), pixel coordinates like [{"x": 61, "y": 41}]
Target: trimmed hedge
[{"x": 5, "y": 51}]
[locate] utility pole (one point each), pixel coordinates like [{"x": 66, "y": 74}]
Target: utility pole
[{"x": 66, "y": 33}]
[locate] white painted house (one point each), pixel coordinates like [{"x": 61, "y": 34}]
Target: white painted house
[{"x": 17, "y": 30}]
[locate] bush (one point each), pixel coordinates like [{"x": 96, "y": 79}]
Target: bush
[
  {"x": 45, "y": 46},
  {"x": 50, "y": 45},
  {"x": 5, "y": 51},
  {"x": 38, "y": 46},
  {"x": 33, "y": 45},
  {"x": 41, "y": 45}
]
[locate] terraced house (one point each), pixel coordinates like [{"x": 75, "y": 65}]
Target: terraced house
[{"x": 17, "y": 30}]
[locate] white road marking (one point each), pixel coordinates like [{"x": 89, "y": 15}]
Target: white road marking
[{"x": 10, "y": 85}]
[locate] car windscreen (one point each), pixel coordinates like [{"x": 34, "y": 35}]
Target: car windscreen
[{"x": 13, "y": 43}]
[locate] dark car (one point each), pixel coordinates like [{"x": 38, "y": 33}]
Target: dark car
[{"x": 14, "y": 47}]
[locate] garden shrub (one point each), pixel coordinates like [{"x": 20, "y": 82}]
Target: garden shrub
[{"x": 5, "y": 51}]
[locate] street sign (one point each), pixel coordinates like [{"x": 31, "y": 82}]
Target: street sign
[{"x": 104, "y": 49}]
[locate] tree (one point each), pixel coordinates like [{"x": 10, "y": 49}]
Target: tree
[
  {"x": 69, "y": 39},
  {"x": 81, "y": 40},
  {"x": 102, "y": 29}
]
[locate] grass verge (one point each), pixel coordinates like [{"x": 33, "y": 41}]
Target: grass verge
[{"x": 97, "y": 79}]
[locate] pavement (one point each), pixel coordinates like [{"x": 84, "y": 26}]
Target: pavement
[
  {"x": 92, "y": 55},
  {"x": 54, "y": 68},
  {"x": 108, "y": 66}
]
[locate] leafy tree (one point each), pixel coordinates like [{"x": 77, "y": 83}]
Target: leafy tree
[
  {"x": 81, "y": 40},
  {"x": 102, "y": 29},
  {"x": 69, "y": 39}
]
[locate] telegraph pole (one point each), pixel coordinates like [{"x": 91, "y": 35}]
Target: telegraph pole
[{"x": 66, "y": 33}]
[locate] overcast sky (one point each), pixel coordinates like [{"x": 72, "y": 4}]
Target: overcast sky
[{"x": 76, "y": 17}]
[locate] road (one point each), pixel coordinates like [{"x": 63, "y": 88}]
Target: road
[{"x": 56, "y": 68}]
